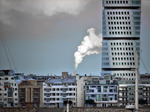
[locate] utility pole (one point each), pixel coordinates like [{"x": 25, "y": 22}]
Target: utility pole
[{"x": 136, "y": 83}]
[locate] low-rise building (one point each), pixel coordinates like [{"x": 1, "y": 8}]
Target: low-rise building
[
  {"x": 103, "y": 92},
  {"x": 126, "y": 94},
  {"x": 59, "y": 89},
  {"x": 8, "y": 89},
  {"x": 144, "y": 78},
  {"x": 30, "y": 93}
]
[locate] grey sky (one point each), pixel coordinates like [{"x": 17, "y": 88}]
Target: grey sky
[{"x": 43, "y": 35}]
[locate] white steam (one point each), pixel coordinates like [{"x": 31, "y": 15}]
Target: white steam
[{"x": 91, "y": 44}]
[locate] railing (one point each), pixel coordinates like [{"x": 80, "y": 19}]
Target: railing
[
  {"x": 36, "y": 96},
  {"x": 36, "y": 101},
  {"x": 10, "y": 100},
  {"x": 7, "y": 86}
]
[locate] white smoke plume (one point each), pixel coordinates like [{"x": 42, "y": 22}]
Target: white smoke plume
[
  {"x": 91, "y": 44},
  {"x": 37, "y": 7}
]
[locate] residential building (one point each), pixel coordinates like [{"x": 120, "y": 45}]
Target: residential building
[
  {"x": 144, "y": 78},
  {"x": 31, "y": 93},
  {"x": 121, "y": 37},
  {"x": 80, "y": 90},
  {"x": 103, "y": 92},
  {"x": 126, "y": 94},
  {"x": 59, "y": 89},
  {"x": 8, "y": 89},
  {"x": 43, "y": 78}
]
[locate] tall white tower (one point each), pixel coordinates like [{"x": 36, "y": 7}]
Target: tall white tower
[{"x": 121, "y": 37}]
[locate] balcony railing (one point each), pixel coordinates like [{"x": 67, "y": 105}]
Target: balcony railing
[
  {"x": 10, "y": 100},
  {"x": 36, "y": 101},
  {"x": 7, "y": 86},
  {"x": 36, "y": 96}
]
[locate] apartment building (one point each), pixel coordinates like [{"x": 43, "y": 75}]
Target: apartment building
[
  {"x": 144, "y": 78},
  {"x": 126, "y": 94},
  {"x": 59, "y": 89},
  {"x": 30, "y": 93},
  {"x": 8, "y": 89},
  {"x": 103, "y": 92}
]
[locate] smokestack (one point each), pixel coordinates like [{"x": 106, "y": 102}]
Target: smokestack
[
  {"x": 91, "y": 44},
  {"x": 74, "y": 73}
]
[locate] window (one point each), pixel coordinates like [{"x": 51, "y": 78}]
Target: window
[{"x": 6, "y": 78}]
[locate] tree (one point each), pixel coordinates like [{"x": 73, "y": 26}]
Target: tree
[
  {"x": 90, "y": 102},
  {"x": 65, "y": 102}
]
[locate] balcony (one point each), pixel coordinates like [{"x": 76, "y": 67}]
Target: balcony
[
  {"x": 22, "y": 96},
  {"x": 22, "y": 100},
  {"x": 10, "y": 100},
  {"x": 36, "y": 90},
  {"x": 10, "y": 90},
  {"x": 36, "y": 101},
  {"x": 7, "y": 86},
  {"x": 36, "y": 96}
]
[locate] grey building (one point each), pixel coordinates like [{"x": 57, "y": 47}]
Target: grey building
[
  {"x": 121, "y": 37},
  {"x": 8, "y": 89},
  {"x": 126, "y": 94}
]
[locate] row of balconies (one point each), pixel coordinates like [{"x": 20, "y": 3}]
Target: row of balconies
[{"x": 72, "y": 96}]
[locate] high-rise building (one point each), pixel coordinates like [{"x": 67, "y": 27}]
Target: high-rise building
[{"x": 121, "y": 37}]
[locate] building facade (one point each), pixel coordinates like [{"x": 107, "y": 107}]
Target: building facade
[
  {"x": 59, "y": 89},
  {"x": 30, "y": 93},
  {"x": 8, "y": 89},
  {"x": 126, "y": 94},
  {"x": 80, "y": 90},
  {"x": 103, "y": 92},
  {"x": 121, "y": 37}
]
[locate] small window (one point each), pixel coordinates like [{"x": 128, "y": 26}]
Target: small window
[{"x": 6, "y": 78}]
